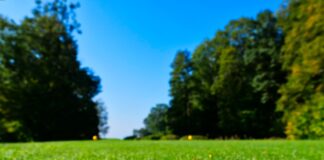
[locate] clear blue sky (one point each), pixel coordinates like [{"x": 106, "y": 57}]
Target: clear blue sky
[{"x": 130, "y": 44}]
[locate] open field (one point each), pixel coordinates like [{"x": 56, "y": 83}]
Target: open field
[{"x": 166, "y": 150}]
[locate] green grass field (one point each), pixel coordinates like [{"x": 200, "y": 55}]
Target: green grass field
[{"x": 165, "y": 150}]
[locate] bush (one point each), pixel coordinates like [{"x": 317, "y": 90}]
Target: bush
[
  {"x": 194, "y": 137},
  {"x": 152, "y": 137},
  {"x": 169, "y": 137},
  {"x": 130, "y": 137}
]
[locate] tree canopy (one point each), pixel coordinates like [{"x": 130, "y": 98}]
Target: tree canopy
[
  {"x": 257, "y": 78},
  {"x": 303, "y": 58},
  {"x": 45, "y": 94}
]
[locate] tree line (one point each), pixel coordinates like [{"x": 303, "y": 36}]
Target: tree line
[
  {"x": 257, "y": 78},
  {"x": 45, "y": 94}
]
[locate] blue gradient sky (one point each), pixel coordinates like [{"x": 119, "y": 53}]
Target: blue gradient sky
[{"x": 130, "y": 44}]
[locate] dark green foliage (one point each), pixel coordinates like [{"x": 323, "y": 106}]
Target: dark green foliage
[
  {"x": 10, "y": 126},
  {"x": 262, "y": 60},
  {"x": 254, "y": 78},
  {"x": 156, "y": 124},
  {"x": 45, "y": 93},
  {"x": 132, "y": 137},
  {"x": 228, "y": 88},
  {"x": 249, "y": 77},
  {"x": 103, "y": 119},
  {"x": 181, "y": 113},
  {"x": 140, "y": 133},
  {"x": 156, "y": 121},
  {"x": 203, "y": 100}
]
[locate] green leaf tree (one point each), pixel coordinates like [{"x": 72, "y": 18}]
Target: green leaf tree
[
  {"x": 303, "y": 57},
  {"x": 156, "y": 122},
  {"x": 181, "y": 110},
  {"x": 47, "y": 93}
]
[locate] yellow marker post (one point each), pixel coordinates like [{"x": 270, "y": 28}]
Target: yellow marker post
[{"x": 189, "y": 137}]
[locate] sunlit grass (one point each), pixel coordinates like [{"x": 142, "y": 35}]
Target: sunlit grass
[{"x": 166, "y": 150}]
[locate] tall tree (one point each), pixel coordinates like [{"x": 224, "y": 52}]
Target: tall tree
[
  {"x": 263, "y": 65},
  {"x": 231, "y": 83},
  {"x": 230, "y": 86},
  {"x": 49, "y": 93},
  {"x": 204, "y": 72},
  {"x": 303, "y": 56},
  {"x": 103, "y": 119},
  {"x": 249, "y": 76},
  {"x": 156, "y": 122},
  {"x": 10, "y": 126},
  {"x": 181, "y": 109}
]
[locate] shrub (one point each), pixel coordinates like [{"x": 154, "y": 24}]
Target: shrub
[
  {"x": 152, "y": 137},
  {"x": 194, "y": 137},
  {"x": 130, "y": 137},
  {"x": 169, "y": 137}
]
